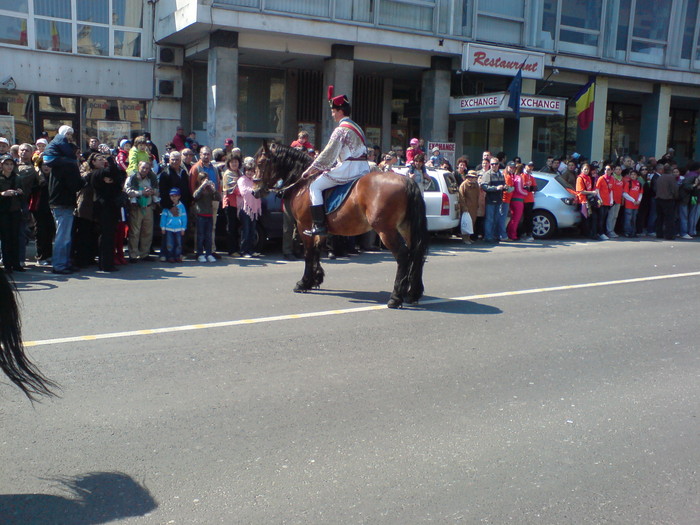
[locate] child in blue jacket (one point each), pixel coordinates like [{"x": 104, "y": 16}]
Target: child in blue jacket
[{"x": 173, "y": 223}]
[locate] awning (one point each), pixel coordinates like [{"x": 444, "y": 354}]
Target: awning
[{"x": 495, "y": 105}]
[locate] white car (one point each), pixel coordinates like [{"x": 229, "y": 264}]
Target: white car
[
  {"x": 441, "y": 199},
  {"x": 555, "y": 205}
]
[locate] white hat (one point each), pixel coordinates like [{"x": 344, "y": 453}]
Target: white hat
[
  {"x": 3, "y": 139},
  {"x": 436, "y": 148},
  {"x": 43, "y": 141},
  {"x": 64, "y": 130}
]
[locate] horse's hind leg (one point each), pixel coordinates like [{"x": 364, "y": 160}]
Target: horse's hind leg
[
  {"x": 310, "y": 255},
  {"x": 396, "y": 244}
]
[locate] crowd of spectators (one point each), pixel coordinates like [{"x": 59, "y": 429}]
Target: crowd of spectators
[{"x": 83, "y": 207}]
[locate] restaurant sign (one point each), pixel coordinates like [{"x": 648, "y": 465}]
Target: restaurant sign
[
  {"x": 501, "y": 61},
  {"x": 496, "y": 104}
]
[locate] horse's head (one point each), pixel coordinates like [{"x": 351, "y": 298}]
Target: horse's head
[{"x": 262, "y": 181}]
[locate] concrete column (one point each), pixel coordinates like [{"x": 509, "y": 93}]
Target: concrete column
[
  {"x": 222, "y": 96},
  {"x": 435, "y": 100},
  {"x": 590, "y": 142},
  {"x": 338, "y": 71},
  {"x": 387, "y": 97},
  {"x": 517, "y": 134},
  {"x": 656, "y": 121}
]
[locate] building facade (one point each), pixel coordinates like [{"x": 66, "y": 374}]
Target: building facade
[{"x": 438, "y": 69}]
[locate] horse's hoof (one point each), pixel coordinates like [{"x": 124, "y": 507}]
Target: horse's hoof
[
  {"x": 301, "y": 288},
  {"x": 394, "y": 303}
]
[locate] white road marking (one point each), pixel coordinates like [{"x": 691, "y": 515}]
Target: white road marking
[{"x": 287, "y": 317}]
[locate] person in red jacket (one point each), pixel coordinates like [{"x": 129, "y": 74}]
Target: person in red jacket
[
  {"x": 632, "y": 196},
  {"x": 617, "y": 188},
  {"x": 603, "y": 188}
]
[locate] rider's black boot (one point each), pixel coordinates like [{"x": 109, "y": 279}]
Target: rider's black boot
[{"x": 318, "y": 216}]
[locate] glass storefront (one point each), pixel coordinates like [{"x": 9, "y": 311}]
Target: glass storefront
[
  {"x": 622, "y": 129},
  {"x": 23, "y": 116},
  {"x": 261, "y": 106}
]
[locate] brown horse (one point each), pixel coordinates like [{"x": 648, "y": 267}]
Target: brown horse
[
  {"x": 13, "y": 361},
  {"x": 386, "y": 202}
]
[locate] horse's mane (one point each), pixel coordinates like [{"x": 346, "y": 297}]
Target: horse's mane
[{"x": 287, "y": 163}]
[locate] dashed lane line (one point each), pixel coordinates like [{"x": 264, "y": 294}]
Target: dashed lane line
[{"x": 308, "y": 315}]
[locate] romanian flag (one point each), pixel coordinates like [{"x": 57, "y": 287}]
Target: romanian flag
[
  {"x": 584, "y": 100},
  {"x": 55, "y": 38}
]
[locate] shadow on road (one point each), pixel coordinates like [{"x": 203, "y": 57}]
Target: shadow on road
[{"x": 97, "y": 497}]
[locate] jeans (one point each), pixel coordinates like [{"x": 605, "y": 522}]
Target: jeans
[
  {"x": 62, "y": 243},
  {"x": 492, "y": 220},
  {"x": 172, "y": 245},
  {"x": 694, "y": 216},
  {"x": 503, "y": 221},
  {"x": 247, "y": 233},
  {"x": 684, "y": 218},
  {"x": 651, "y": 219},
  {"x": 612, "y": 218},
  {"x": 204, "y": 234},
  {"x": 630, "y": 221}
]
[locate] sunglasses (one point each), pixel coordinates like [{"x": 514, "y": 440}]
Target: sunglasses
[{"x": 494, "y": 164}]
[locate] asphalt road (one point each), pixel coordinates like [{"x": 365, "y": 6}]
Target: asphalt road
[{"x": 575, "y": 402}]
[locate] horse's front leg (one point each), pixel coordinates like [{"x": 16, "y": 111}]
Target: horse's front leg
[{"x": 311, "y": 256}]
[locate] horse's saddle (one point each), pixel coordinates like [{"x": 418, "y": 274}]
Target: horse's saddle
[{"x": 335, "y": 197}]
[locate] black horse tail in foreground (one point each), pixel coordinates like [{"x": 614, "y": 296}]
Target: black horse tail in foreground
[
  {"x": 13, "y": 361},
  {"x": 386, "y": 202}
]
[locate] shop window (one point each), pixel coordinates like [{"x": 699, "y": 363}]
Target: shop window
[
  {"x": 96, "y": 11},
  {"x": 111, "y": 120},
  {"x": 56, "y": 104},
  {"x": 93, "y": 40},
  {"x": 622, "y": 128},
  {"x": 13, "y": 30},
  {"x": 127, "y": 13},
  {"x": 16, "y": 117},
  {"x": 53, "y": 8},
  {"x": 127, "y": 44},
  {"x": 261, "y": 101},
  {"x": 54, "y": 36}
]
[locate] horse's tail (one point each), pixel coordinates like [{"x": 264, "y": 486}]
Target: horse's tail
[
  {"x": 418, "y": 249},
  {"x": 13, "y": 361}
]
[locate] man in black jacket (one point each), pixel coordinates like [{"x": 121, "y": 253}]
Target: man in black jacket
[{"x": 64, "y": 183}]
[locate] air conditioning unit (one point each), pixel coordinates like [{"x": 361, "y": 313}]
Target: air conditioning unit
[
  {"x": 170, "y": 56},
  {"x": 168, "y": 88}
]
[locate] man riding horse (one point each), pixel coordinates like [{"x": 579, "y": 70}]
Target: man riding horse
[{"x": 347, "y": 147}]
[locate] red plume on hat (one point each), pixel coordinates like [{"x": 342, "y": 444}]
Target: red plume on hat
[{"x": 336, "y": 102}]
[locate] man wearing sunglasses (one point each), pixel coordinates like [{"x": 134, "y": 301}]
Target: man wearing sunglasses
[{"x": 492, "y": 183}]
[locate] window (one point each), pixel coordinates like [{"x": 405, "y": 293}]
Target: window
[
  {"x": 407, "y": 15},
  {"x": 13, "y": 30},
  {"x": 691, "y": 20},
  {"x": 578, "y": 29},
  {"x": 53, "y": 8},
  {"x": 649, "y": 23},
  {"x": 93, "y": 40},
  {"x": 53, "y": 35},
  {"x": 86, "y": 27},
  {"x": 16, "y": 6},
  {"x": 500, "y": 21}
]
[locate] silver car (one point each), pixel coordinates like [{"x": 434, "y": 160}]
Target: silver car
[{"x": 555, "y": 205}]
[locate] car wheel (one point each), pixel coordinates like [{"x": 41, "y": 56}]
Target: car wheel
[{"x": 544, "y": 225}]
